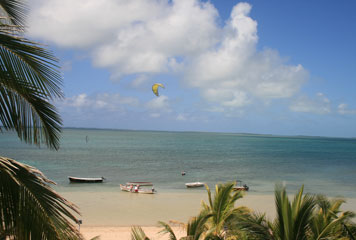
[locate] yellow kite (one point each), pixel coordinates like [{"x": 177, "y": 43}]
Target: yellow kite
[{"x": 155, "y": 88}]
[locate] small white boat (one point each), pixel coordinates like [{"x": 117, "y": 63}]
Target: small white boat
[
  {"x": 136, "y": 187},
  {"x": 86, "y": 180},
  {"x": 194, "y": 184}
]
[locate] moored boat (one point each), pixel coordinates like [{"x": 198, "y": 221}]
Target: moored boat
[
  {"x": 194, "y": 184},
  {"x": 86, "y": 180},
  {"x": 138, "y": 187},
  {"x": 240, "y": 187},
  {"x": 140, "y": 183}
]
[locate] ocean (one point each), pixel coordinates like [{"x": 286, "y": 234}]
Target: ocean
[{"x": 324, "y": 165}]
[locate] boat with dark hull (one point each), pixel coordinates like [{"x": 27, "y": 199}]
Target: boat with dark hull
[
  {"x": 85, "y": 180},
  {"x": 239, "y": 186}
]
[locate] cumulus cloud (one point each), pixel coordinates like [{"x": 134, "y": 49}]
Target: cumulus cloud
[
  {"x": 179, "y": 36},
  {"x": 235, "y": 73},
  {"x": 319, "y": 104},
  {"x": 127, "y": 36},
  {"x": 344, "y": 110}
]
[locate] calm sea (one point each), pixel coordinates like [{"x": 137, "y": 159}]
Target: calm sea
[{"x": 323, "y": 165}]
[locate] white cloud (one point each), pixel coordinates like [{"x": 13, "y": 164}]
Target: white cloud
[
  {"x": 104, "y": 101},
  {"x": 343, "y": 109},
  {"x": 159, "y": 104},
  {"x": 319, "y": 104},
  {"x": 159, "y": 36},
  {"x": 127, "y": 36},
  {"x": 235, "y": 73}
]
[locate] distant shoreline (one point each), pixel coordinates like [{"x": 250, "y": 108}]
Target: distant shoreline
[{"x": 232, "y": 133}]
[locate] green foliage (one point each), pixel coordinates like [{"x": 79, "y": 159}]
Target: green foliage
[
  {"x": 29, "y": 79},
  {"x": 222, "y": 210},
  {"x": 29, "y": 208},
  {"x": 292, "y": 218},
  {"x": 305, "y": 218},
  {"x": 329, "y": 221}
]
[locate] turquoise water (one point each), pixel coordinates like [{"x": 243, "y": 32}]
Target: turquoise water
[{"x": 324, "y": 165}]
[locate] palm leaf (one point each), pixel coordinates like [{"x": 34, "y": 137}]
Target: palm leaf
[
  {"x": 197, "y": 225},
  {"x": 328, "y": 220},
  {"x": 138, "y": 234},
  {"x": 29, "y": 79},
  {"x": 30, "y": 208},
  {"x": 166, "y": 229},
  {"x": 14, "y": 10}
]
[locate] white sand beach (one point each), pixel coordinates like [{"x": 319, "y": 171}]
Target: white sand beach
[{"x": 111, "y": 214}]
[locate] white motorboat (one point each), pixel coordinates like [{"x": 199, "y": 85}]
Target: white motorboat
[
  {"x": 194, "y": 184},
  {"x": 138, "y": 187}
]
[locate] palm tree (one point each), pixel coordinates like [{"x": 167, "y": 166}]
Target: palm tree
[
  {"x": 195, "y": 227},
  {"x": 292, "y": 218},
  {"x": 292, "y": 221},
  {"x": 29, "y": 80},
  {"x": 29, "y": 208},
  {"x": 222, "y": 210},
  {"x": 329, "y": 221}
]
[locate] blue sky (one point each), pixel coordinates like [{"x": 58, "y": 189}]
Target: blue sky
[{"x": 269, "y": 67}]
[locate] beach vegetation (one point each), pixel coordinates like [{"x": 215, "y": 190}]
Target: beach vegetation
[
  {"x": 222, "y": 210},
  {"x": 29, "y": 80},
  {"x": 30, "y": 208},
  {"x": 329, "y": 221},
  {"x": 306, "y": 217}
]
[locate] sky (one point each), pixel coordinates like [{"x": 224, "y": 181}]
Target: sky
[{"x": 265, "y": 67}]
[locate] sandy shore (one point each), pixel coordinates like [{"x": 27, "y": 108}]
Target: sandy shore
[
  {"x": 111, "y": 214},
  {"x": 124, "y": 233}
]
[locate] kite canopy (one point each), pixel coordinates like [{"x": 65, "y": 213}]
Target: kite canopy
[{"x": 155, "y": 88}]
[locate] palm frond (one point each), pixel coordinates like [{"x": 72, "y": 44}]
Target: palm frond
[
  {"x": 14, "y": 10},
  {"x": 166, "y": 229},
  {"x": 293, "y": 219},
  {"x": 197, "y": 225},
  {"x": 255, "y": 226},
  {"x": 137, "y": 233},
  {"x": 30, "y": 208},
  {"x": 28, "y": 78},
  {"x": 222, "y": 209},
  {"x": 329, "y": 220}
]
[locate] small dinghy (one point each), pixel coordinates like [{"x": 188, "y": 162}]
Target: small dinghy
[
  {"x": 86, "y": 180},
  {"x": 194, "y": 184}
]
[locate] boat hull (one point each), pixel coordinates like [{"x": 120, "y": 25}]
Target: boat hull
[
  {"x": 85, "y": 180},
  {"x": 194, "y": 185},
  {"x": 136, "y": 189},
  {"x": 241, "y": 188}
]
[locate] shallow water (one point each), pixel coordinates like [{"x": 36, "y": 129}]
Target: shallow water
[{"x": 324, "y": 165}]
